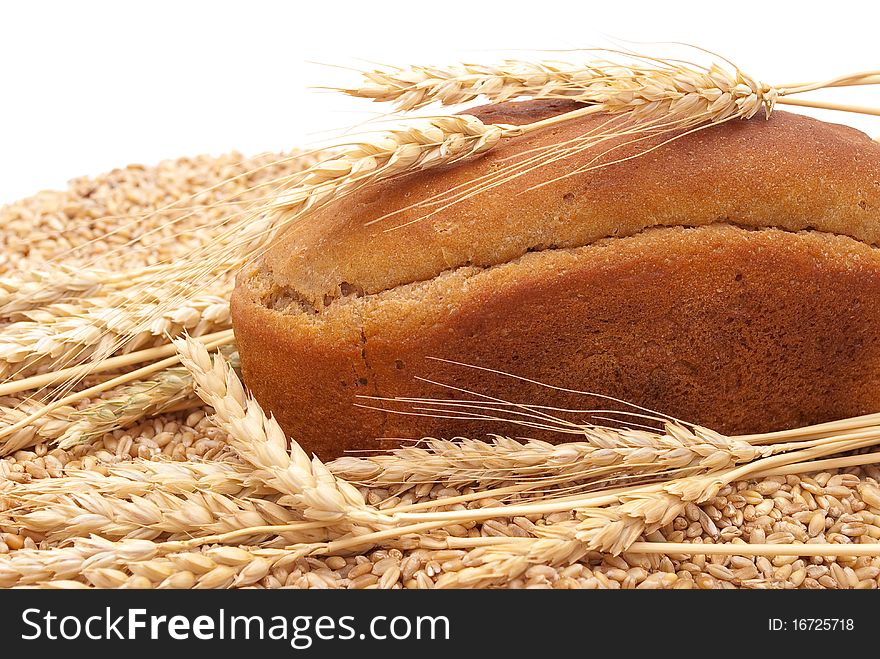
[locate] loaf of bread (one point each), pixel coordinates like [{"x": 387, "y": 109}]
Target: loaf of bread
[{"x": 728, "y": 278}]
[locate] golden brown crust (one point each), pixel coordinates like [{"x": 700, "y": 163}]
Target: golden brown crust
[
  {"x": 737, "y": 329},
  {"x": 741, "y": 329},
  {"x": 792, "y": 172}
]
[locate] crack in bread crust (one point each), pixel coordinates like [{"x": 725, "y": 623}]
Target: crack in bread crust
[{"x": 287, "y": 300}]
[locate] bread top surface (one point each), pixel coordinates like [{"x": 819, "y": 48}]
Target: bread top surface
[{"x": 790, "y": 172}]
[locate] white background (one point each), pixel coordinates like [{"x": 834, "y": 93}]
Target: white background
[{"x": 88, "y": 86}]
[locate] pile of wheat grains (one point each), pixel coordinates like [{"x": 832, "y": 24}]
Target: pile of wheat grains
[{"x": 93, "y": 216}]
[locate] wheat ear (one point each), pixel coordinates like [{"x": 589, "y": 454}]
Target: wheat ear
[
  {"x": 16, "y": 434},
  {"x": 30, "y": 431},
  {"x": 149, "y": 516},
  {"x": 143, "y": 499},
  {"x": 92, "y": 329},
  {"x": 259, "y": 440},
  {"x": 641, "y": 85},
  {"x": 130, "y": 403},
  {"x": 133, "y": 402},
  {"x": 645, "y": 79},
  {"x": 140, "y": 476},
  {"x": 140, "y": 564},
  {"x": 607, "y": 452},
  {"x": 34, "y": 289}
]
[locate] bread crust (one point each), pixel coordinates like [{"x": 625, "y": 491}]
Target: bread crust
[
  {"x": 731, "y": 323},
  {"x": 791, "y": 172}
]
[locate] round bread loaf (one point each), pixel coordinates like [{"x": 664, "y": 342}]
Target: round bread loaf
[{"x": 728, "y": 278}]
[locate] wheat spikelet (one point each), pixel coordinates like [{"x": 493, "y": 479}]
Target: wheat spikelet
[
  {"x": 307, "y": 484},
  {"x": 218, "y": 567},
  {"x": 33, "y": 566},
  {"x": 487, "y": 566}
]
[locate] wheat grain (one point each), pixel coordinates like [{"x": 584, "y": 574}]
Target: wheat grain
[{"x": 135, "y": 216}]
